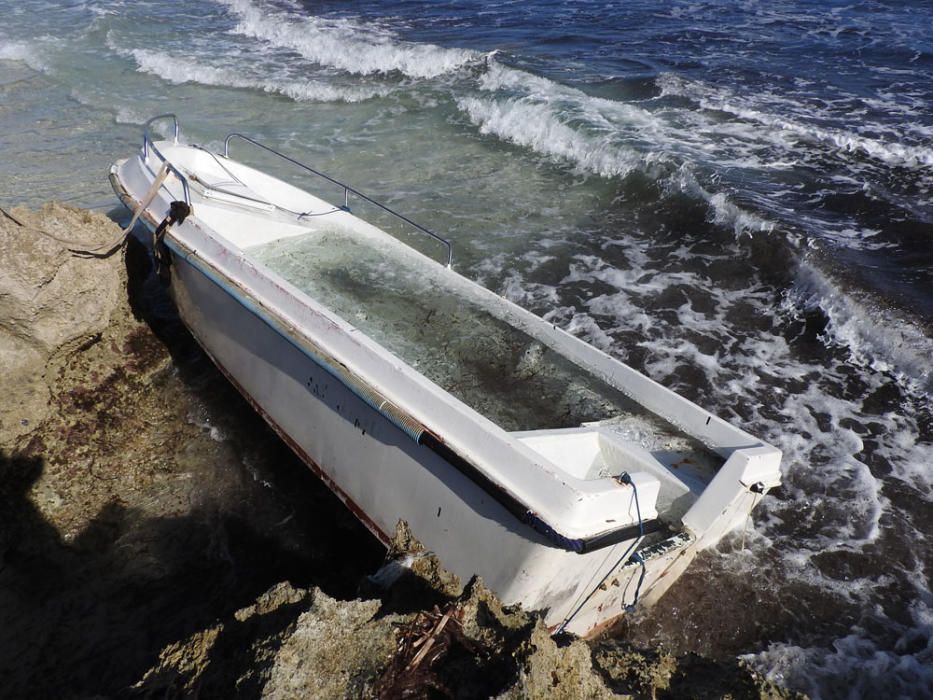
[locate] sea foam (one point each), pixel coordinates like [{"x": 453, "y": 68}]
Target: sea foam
[
  {"x": 190, "y": 69},
  {"x": 345, "y": 44},
  {"x": 841, "y": 140},
  {"x": 17, "y": 51},
  {"x": 870, "y": 670}
]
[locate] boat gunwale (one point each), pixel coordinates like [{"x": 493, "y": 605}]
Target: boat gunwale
[
  {"x": 245, "y": 261},
  {"x": 550, "y": 334}
]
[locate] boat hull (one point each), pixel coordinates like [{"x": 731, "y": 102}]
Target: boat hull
[
  {"x": 383, "y": 476},
  {"x": 538, "y": 514}
]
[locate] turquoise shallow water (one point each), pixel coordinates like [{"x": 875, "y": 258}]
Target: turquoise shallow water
[{"x": 733, "y": 198}]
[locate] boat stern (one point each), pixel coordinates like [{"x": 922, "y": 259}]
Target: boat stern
[{"x": 727, "y": 501}]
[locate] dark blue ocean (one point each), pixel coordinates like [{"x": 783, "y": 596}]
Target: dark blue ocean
[{"x": 735, "y": 198}]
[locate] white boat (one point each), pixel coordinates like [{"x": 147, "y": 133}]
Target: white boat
[{"x": 571, "y": 483}]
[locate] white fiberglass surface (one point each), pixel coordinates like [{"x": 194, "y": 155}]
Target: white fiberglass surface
[{"x": 406, "y": 305}]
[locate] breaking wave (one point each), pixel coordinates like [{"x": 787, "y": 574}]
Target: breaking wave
[
  {"x": 532, "y": 126},
  {"x": 560, "y": 121},
  {"x": 346, "y": 45},
  {"x": 709, "y": 97},
  {"x": 595, "y": 135},
  {"x": 17, "y": 51},
  {"x": 873, "y": 337},
  {"x": 722, "y": 211},
  {"x": 542, "y": 128},
  {"x": 185, "y": 70}
]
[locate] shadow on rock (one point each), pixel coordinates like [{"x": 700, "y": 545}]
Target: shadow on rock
[
  {"x": 195, "y": 525},
  {"x": 91, "y": 615}
]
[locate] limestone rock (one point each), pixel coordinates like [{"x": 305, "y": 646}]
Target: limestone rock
[
  {"x": 336, "y": 650},
  {"x": 51, "y": 302},
  {"x": 549, "y": 672}
]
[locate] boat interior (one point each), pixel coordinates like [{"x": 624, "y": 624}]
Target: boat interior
[{"x": 470, "y": 347}]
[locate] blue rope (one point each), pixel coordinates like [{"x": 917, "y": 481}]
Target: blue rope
[
  {"x": 573, "y": 545},
  {"x": 626, "y": 479},
  {"x": 636, "y": 557}
]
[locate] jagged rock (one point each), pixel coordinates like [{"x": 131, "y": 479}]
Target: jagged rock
[
  {"x": 650, "y": 673},
  {"x": 642, "y": 673},
  {"x": 484, "y": 619},
  {"x": 550, "y": 672},
  {"x": 422, "y": 563},
  {"x": 181, "y": 664},
  {"x": 51, "y": 303},
  {"x": 336, "y": 650},
  {"x": 235, "y": 655}
]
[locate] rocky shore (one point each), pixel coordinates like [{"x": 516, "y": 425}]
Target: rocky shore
[{"x": 157, "y": 540}]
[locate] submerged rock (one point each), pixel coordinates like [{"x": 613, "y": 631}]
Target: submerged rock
[
  {"x": 652, "y": 673},
  {"x": 157, "y": 540}
]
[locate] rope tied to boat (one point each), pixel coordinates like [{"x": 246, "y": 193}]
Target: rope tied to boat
[
  {"x": 624, "y": 478},
  {"x": 177, "y": 212},
  {"x": 119, "y": 242},
  {"x": 149, "y": 196},
  {"x": 106, "y": 249}
]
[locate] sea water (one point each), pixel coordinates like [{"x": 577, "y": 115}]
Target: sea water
[
  {"x": 734, "y": 198},
  {"x": 495, "y": 368},
  {"x": 470, "y": 349}
]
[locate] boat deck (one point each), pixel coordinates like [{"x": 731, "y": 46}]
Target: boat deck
[{"x": 496, "y": 369}]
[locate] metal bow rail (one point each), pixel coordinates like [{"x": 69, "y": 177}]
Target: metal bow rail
[
  {"x": 149, "y": 146},
  {"x": 347, "y": 190}
]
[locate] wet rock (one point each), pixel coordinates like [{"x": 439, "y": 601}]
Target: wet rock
[
  {"x": 651, "y": 673},
  {"x": 642, "y": 673}
]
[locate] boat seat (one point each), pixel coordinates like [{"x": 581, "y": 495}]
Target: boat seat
[
  {"x": 581, "y": 453},
  {"x": 592, "y": 452}
]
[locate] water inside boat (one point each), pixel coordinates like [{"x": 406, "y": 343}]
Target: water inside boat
[
  {"x": 471, "y": 344},
  {"x": 409, "y": 307}
]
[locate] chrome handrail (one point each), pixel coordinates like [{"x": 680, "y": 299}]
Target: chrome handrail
[
  {"x": 149, "y": 145},
  {"x": 346, "y": 188}
]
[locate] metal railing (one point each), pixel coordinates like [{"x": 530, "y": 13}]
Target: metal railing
[
  {"x": 149, "y": 145},
  {"x": 347, "y": 190}
]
